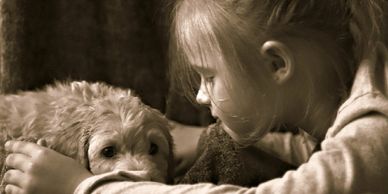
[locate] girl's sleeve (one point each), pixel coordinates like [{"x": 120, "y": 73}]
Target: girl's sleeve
[
  {"x": 295, "y": 149},
  {"x": 354, "y": 161}
]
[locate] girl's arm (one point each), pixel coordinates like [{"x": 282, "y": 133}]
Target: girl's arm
[
  {"x": 353, "y": 161},
  {"x": 185, "y": 146},
  {"x": 348, "y": 163},
  {"x": 40, "y": 170}
]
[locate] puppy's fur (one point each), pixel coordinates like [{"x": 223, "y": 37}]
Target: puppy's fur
[{"x": 103, "y": 127}]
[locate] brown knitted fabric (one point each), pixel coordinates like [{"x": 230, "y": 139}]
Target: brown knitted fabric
[{"x": 222, "y": 161}]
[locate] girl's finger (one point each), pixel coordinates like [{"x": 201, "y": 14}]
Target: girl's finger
[
  {"x": 12, "y": 189},
  {"x": 42, "y": 142},
  {"x": 18, "y": 161},
  {"x": 23, "y": 147},
  {"x": 14, "y": 177}
]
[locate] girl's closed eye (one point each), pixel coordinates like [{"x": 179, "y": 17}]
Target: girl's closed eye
[
  {"x": 206, "y": 73},
  {"x": 209, "y": 79}
]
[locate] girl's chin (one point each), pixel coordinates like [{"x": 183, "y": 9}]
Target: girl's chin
[
  {"x": 237, "y": 137},
  {"x": 244, "y": 138}
]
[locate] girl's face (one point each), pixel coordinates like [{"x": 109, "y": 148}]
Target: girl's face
[{"x": 237, "y": 113}]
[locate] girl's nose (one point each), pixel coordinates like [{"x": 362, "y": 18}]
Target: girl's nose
[{"x": 202, "y": 97}]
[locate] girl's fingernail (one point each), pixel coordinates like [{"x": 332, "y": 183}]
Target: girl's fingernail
[{"x": 6, "y": 144}]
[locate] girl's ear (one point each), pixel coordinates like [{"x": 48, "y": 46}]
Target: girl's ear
[{"x": 280, "y": 60}]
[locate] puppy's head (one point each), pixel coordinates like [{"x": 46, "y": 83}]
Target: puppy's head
[{"x": 129, "y": 135}]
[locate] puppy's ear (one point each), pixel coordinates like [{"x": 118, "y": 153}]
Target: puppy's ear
[
  {"x": 171, "y": 166},
  {"x": 83, "y": 148},
  {"x": 171, "y": 157}
]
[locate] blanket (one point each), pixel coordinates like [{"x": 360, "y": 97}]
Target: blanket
[{"x": 222, "y": 161}]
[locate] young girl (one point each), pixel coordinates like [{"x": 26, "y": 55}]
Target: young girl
[{"x": 318, "y": 65}]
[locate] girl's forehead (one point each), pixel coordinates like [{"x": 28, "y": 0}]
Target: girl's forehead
[
  {"x": 206, "y": 70},
  {"x": 199, "y": 42},
  {"x": 204, "y": 60}
]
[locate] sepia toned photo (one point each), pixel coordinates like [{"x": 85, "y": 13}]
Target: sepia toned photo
[{"x": 194, "y": 96}]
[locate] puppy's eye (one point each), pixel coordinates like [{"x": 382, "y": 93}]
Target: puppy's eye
[
  {"x": 108, "y": 152},
  {"x": 153, "y": 149}
]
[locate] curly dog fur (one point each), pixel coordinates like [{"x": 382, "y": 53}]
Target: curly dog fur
[{"x": 103, "y": 127}]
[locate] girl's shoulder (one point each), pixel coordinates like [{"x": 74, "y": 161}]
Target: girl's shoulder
[{"x": 369, "y": 93}]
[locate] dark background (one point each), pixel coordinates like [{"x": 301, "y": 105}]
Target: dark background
[{"x": 120, "y": 42}]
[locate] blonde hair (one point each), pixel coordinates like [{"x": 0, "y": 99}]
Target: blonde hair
[{"x": 236, "y": 29}]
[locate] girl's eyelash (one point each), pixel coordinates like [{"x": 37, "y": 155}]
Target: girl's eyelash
[{"x": 209, "y": 79}]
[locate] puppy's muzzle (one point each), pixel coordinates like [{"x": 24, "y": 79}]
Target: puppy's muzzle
[{"x": 135, "y": 175}]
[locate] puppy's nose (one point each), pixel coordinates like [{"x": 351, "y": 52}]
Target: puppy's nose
[{"x": 136, "y": 175}]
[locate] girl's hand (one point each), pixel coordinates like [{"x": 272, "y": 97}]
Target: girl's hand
[{"x": 37, "y": 169}]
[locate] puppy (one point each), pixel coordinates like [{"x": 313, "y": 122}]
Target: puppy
[{"x": 103, "y": 127}]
